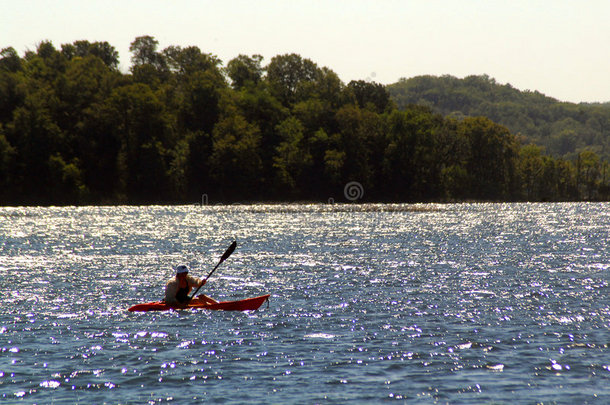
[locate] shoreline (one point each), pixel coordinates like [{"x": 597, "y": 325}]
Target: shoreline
[{"x": 288, "y": 207}]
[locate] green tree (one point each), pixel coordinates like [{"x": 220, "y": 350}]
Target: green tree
[
  {"x": 7, "y": 169},
  {"x": 326, "y": 87},
  {"x": 102, "y": 50},
  {"x": 142, "y": 127},
  {"x": 589, "y": 173},
  {"x": 288, "y": 75},
  {"x": 493, "y": 159},
  {"x": 66, "y": 185},
  {"x": 87, "y": 80},
  {"x": 362, "y": 141},
  {"x": 333, "y": 166},
  {"x": 198, "y": 106},
  {"x": 34, "y": 130},
  {"x": 178, "y": 170},
  {"x": 10, "y": 60},
  {"x": 455, "y": 181},
  {"x": 45, "y": 67},
  {"x": 189, "y": 60},
  {"x": 321, "y": 100},
  {"x": 245, "y": 70},
  {"x": 292, "y": 158},
  {"x": 193, "y": 160},
  {"x": 258, "y": 106},
  {"x": 144, "y": 50},
  {"x": 531, "y": 167},
  {"x": 373, "y": 96},
  {"x": 235, "y": 163},
  {"x": 604, "y": 187},
  {"x": 148, "y": 65},
  {"x": 99, "y": 141},
  {"x": 452, "y": 156},
  {"x": 567, "y": 183},
  {"x": 411, "y": 166},
  {"x": 12, "y": 85}
]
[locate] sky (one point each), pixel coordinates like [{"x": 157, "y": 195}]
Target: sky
[{"x": 558, "y": 47}]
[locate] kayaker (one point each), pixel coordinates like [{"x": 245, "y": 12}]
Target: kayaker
[{"x": 178, "y": 288}]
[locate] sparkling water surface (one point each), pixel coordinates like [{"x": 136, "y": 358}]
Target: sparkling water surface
[{"x": 465, "y": 303}]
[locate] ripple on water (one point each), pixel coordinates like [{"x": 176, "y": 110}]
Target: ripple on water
[{"x": 467, "y": 303}]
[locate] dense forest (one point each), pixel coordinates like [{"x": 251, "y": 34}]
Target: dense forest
[
  {"x": 180, "y": 124},
  {"x": 562, "y": 129}
]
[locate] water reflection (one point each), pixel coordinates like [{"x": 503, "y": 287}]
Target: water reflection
[{"x": 418, "y": 303}]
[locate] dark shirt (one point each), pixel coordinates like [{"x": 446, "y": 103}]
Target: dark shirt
[{"x": 183, "y": 294}]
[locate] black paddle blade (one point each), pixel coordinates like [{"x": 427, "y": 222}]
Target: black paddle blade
[{"x": 230, "y": 250}]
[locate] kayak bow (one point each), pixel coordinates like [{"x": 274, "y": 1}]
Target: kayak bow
[{"x": 248, "y": 304}]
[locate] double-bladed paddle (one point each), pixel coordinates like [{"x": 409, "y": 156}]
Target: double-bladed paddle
[{"x": 222, "y": 259}]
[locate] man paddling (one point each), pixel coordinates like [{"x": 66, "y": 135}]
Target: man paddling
[{"x": 178, "y": 288}]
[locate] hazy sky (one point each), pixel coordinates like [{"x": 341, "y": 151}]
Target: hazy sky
[{"x": 558, "y": 47}]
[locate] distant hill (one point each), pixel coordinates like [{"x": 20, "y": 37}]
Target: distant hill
[{"x": 563, "y": 129}]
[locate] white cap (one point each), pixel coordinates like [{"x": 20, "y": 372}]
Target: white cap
[{"x": 182, "y": 269}]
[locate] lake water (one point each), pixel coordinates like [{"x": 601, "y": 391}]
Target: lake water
[{"x": 465, "y": 303}]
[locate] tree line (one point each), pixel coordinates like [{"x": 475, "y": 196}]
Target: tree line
[
  {"x": 74, "y": 129},
  {"x": 562, "y": 129}
]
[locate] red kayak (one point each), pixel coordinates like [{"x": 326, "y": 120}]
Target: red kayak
[{"x": 249, "y": 304}]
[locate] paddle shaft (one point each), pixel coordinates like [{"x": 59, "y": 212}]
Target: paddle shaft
[{"x": 224, "y": 257}]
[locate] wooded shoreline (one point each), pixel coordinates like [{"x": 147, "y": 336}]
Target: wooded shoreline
[{"x": 74, "y": 130}]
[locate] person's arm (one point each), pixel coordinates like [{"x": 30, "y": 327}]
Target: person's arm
[
  {"x": 195, "y": 282},
  {"x": 202, "y": 297}
]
